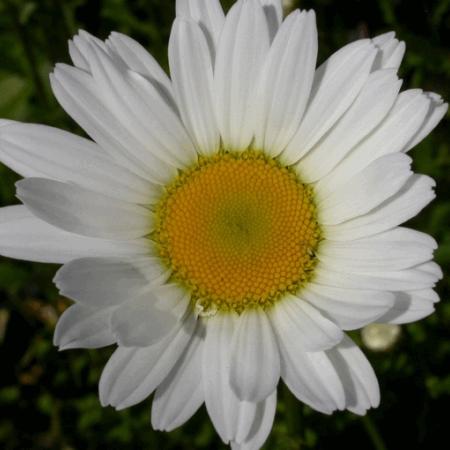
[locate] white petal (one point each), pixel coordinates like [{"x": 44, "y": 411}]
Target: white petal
[
  {"x": 242, "y": 415},
  {"x": 391, "y": 136},
  {"x": 409, "y": 201},
  {"x": 337, "y": 82},
  {"x": 80, "y": 96},
  {"x": 335, "y": 379},
  {"x": 180, "y": 395},
  {"x": 435, "y": 114},
  {"x": 261, "y": 427},
  {"x": 255, "y": 361},
  {"x": 310, "y": 376},
  {"x": 243, "y": 46},
  {"x": 366, "y": 190},
  {"x": 431, "y": 268},
  {"x": 139, "y": 322},
  {"x": 139, "y": 60},
  {"x": 234, "y": 420},
  {"x": 383, "y": 39},
  {"x": 357, "y": 376},
  {"x": 46, "y": 152},
  {"x": 113, "y": 83},
  {"x": 349, "y": 308},
  {"x": 395, "y": 249},
  {"x": 77, "y": 57},
  {"x": 285, "y": 83},
  {"x": 419, "y": 277},
  {"x": 298, "y": 321},
  {"x": 165, "y": 124},
  {"x": 208, "y": 14},
  {"x": 132, "y": 374},
  {"x": 172, "y": 298},
  {"x": 427, "y": 295},
  {"x": 24, "y": 236},
  {"x": 273, "y": 9},
  {"x": 370, "y": 107},
  {"x": 192, "y": 77},
  {"x": 390, "y": 52},
  {"x": 231, "y": 417},
  {"x": 410, "y": 306},
  {"x": 83, "y": 327},
  {"x": 76, "y": 93},
  {"x": 219, "y": 398},
  {"x": 77, "y": 49},
  {"x": 150, "y": 267},
  {"x": 100, "y": 282},
  {"x": 81, "y": 211}
]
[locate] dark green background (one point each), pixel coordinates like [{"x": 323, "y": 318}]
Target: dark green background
[{"x": 49, "y": 399}]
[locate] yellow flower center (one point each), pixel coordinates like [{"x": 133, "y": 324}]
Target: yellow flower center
[{"x": 237, "y": 230}]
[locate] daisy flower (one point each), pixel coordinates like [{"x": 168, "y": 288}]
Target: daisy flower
[{"x": 226, "y": 225}]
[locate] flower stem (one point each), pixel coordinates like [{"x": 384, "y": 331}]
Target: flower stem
[
  {"x": 374, "y": 434},
  {"x": 293, "y": 417}
]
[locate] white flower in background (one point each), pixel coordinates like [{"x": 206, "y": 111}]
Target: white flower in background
[
  {"x": 380, "y": 337},
  {"x": 224, "y": 226},
  {"x": 287, "y": 5}
]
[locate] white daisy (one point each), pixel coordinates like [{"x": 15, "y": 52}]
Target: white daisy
[
  {"x": 380, "y": 337},
  {"x": 224, "y": 226}
]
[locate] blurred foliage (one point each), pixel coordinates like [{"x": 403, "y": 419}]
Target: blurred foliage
[{"x": 48, "y": 400}]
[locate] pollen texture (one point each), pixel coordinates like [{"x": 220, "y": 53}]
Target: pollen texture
[{"x": 238, "y": 230}]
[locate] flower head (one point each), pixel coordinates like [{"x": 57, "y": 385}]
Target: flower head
[{"x": 225, "y": 226}]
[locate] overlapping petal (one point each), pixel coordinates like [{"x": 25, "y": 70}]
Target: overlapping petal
[
  {"x": 337, "y": 82},
  {"x": 370, "y": 107},
  {"x": 260, "y": 427},
  {"x": 285, "y": 82},
  {"x": 394, "y": 249},
  {"x": 192, "y": 76},
  {"x": 139, "y": 323},
  {"x": 357, "y": 377},
  {"x": 132, "y": 374},
  {"x": 78, "y": 94},
  {"x": 255, "y": 362},
  {"x": 78, "y": 210},
  {"x": 349, "y": 308},
  {"x": 127, "y": 114},
  {"x": 422, "y": 276},
  {"x": 410, "y": 306},
  {"x": 273, "y": 9},
  {"x": 403, "y": 121},
  {"x": 236, "y": 421},
  {"x": 390, "y": 53},
  {"x": 310, "y": 376},
  {"x": 139, "y": 60},
  {"x": 366, "y": 190},
  {"x": 45, "y": 152},
  {"x": 414, "y": 195},
  {"x": 100, "y": 282},
  {"x": 210, "y": 17},
  {"x": 24, "y": 236},
  {"x": 82, "y": 326},
  {"x": 308, "y": 329},
  {"x": 180, "y": 395},
  {"x": 340, "y": 378}
]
